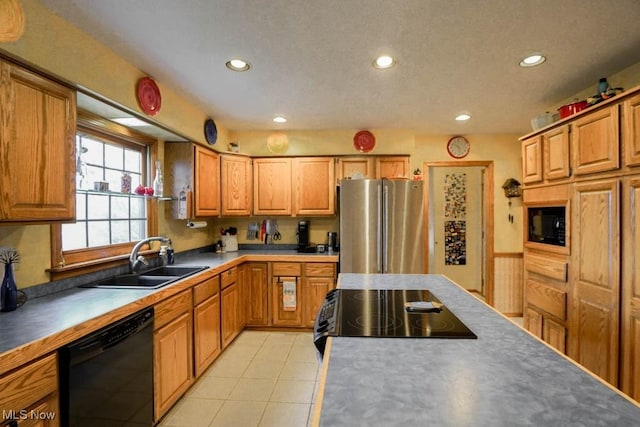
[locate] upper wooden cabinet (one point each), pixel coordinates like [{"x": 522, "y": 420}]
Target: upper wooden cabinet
[
  {"x": 207, "y": 182},
  {"x": 372, "y": 167},
  {"x": 631, "y": 135},
  {"x": 594, "y": 141},
  {"x": 198, "y": 168},
  {"x": 392, "y": 167},
  {"x": 293, "y": 186},
  {"x": 236, "y": 185},
  {"x": 37, "y": 147},
  {"x": 314, "y": 188},
  {"x": 272, "y": 186},
  {"x": 555, "y": 153},
  {"x": 532, "y": 160},
  {"x": 348, "y": 167}
]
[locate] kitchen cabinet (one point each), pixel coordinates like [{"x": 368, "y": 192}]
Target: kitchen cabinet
[
  {"x": 289, "y": 272},
  {"x": 555, "y": 153},
  {"x": 37, "y": 147},
  {"x": 314, "y": 188},
  {"x": 207, "y": 182},
  {"x": 630, "y": 333},
  {"x": 594, "y": 141},
  {"x": 319, "y": 278},
  {"x": 230, "y": 306},
  {"x": 392, "y": 167},
  {"x": 631, "y": 131},
  {"x": 347, "y": 167},
  {"x": 172, "y": 351},
  {"x": 236, "y": 185},
  {"x": 595, "y": 268},
  {"x": 206, "y": 324},
  {"x": 195, "y": 167},
  {"x": 32, "y": 390},
  {"x": 532, "y": 160},
  {"x": 272, "y": 186},
  {"x": 256, "y": 291}
]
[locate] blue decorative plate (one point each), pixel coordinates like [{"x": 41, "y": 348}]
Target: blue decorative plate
[{"x": 210, "y": 131}]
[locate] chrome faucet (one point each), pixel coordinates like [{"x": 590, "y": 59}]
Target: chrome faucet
[{"x": 136, "y": 262}]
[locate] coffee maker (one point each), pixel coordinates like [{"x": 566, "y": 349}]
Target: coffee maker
[{"x": 303, "y": 238}]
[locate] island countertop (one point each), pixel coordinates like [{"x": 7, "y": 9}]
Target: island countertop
[{"x": 506, "y": 377}]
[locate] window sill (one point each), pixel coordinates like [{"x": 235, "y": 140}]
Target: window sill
[{"x": 85, "y": 267}]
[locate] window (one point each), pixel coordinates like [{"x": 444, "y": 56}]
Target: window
[
  {"x": 106, "y": 217},
  {"x": 108, "y": 222}
]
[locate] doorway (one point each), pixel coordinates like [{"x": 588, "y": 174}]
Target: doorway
[{"x": 459, "y": 223}]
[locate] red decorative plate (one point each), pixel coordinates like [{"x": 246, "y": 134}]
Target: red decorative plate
[
  {"x": 149, "y": 96},
  {"x": 364, "y": 141}
]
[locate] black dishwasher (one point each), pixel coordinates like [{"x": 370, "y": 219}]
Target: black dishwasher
[{"x": 106, "y": 378}]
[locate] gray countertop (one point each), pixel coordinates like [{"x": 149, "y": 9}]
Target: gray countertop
[
  {"x": 504, "y": 378},
  {"x": 43, "y": 317}
]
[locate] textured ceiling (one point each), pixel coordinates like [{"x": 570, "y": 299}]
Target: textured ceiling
[{"x": 311, "y": 59}]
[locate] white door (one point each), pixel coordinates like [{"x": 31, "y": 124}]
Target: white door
[{"x": 456, "y": 224}]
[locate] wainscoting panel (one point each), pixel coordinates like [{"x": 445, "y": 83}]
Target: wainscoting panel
[{"x": 508, "y": 283}]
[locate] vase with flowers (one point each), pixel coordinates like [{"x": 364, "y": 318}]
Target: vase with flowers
[{"x": 8, "y": 290}]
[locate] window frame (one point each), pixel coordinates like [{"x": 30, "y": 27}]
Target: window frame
[{"x": 80, "y": 261}]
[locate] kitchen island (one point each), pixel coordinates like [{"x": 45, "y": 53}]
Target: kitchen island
[{"x": 506, "y": 377}]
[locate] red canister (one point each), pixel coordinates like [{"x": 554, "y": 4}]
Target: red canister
[{"x": 571, "y": 109}]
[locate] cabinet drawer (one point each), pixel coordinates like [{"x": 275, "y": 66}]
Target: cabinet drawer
[
  {"x": 28, "y": 384},
  {"x": 228, "y": 277},
  {"x": 168, "y": 310},
  {"x": 286, "y": 269},
  {"x": 205, "y": 290},
  {"x": 548, "y": 267},
  {"x": 551, "y": 300},
  {"x": 319, "y": 269}
]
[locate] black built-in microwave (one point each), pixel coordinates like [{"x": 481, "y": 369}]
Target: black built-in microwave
[{"x": 547, "y": 225}]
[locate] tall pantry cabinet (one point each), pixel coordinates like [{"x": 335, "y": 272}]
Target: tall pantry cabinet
[{"x": 601, "y": 298}]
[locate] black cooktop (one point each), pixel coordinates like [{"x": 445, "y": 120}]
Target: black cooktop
[{"x": 384, "y": 313}]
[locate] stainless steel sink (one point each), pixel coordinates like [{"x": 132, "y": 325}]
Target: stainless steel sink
[
  {"x": 152, "y": 279},
  {"x": 172, "y": 270}
]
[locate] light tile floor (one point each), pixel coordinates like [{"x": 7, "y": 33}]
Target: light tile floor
[{"x": 262, "y": 379}]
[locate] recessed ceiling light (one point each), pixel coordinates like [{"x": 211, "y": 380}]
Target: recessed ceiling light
[
  {"x": 384, "y": 61},
  {"x": 280, "y": 119},
  {"x": 237, "y": 65},
  {"x": 532, "y": 60},
  {"x": 463, "y": 117},
  {"x": 130, "y": 121}
]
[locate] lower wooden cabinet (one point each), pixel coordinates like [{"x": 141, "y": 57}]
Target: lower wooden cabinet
[
  {"x": 172, "y": 351},
  {"x": 545, "y": 328},
  {"x": 290, "y": 314},
  {"x": 255, "y": 293},
  {"x": 312, "y": 282},
  {"x": 231, "y": 313},
  {"x": 31, "y": 389},
  {"x": 207, "y": 344},
  {"x": 319, "y": 278}
]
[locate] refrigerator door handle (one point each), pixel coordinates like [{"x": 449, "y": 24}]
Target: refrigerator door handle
[
  {"x": 385, "y": 228},
  {"x": 379, "y": 236}
]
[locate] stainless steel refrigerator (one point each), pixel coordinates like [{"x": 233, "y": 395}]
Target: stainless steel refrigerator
[{"x": 381, "y": 226}]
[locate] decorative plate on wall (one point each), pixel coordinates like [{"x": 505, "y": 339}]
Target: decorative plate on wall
[
  {"x": 278, "y": 143},
  {"x": 149, "y": 96},
  {"x": 364, "y": 141},
  {"x": 210, "y": 131}
]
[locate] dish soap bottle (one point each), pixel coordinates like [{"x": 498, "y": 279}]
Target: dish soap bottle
[{"x": 157, "y": 182}]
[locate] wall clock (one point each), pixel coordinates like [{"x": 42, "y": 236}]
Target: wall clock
[{"x": 458, "y": 147}]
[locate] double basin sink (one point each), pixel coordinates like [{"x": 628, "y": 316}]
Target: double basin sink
[{"x": 150, "y": 279}]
